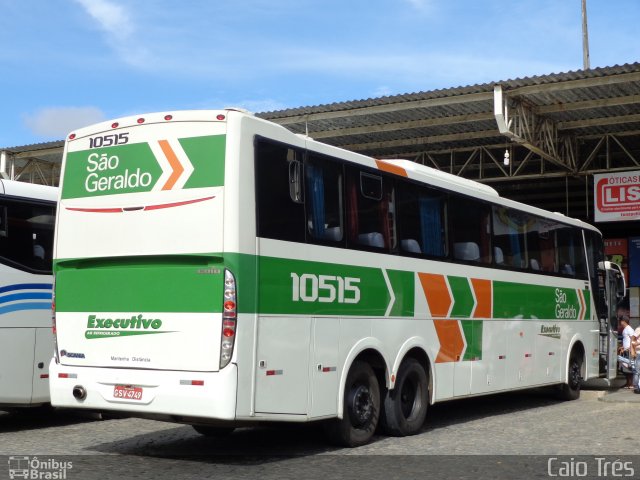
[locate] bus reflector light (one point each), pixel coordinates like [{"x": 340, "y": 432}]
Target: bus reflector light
[
  {"x": 72, "y": 136},
  {"x": 198, "y": 383},
  {"x": 168, "y": 117},
  {"x": 67, "y": 375},
  {"x": 220, "y": 117},
  {"x": 114, "y": 125},
  {"x": 141, "y": 120}
]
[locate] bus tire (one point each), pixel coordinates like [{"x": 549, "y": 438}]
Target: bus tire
[
  {"x": 405, "y": 407},
  {"x": 211, "y": 431},
  {"x": 361, "y": 408},
  {"x": 571, "y": 389}
]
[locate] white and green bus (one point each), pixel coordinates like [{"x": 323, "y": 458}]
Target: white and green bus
[
  {"x": 215, "y": 269},
  {"x": 27, "y": 214}
]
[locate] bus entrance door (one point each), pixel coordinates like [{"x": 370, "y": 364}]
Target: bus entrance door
[{"x": 614, "y": 290}]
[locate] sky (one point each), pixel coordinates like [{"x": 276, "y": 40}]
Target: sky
[{"x": 66, "y": 64}]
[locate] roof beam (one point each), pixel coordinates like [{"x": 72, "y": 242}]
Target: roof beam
[
  {"x": 397, "y": 126},
  {"x": 599, "y": 122},
  {"x": 558, "y": 86},
  {"x": 408, "y": 142},
  {"x": 524, "y": 127},
  {"x": 39, "y": 153},
  {"x": 587, "y": 104},
  {"x": 387, "y": 107}
]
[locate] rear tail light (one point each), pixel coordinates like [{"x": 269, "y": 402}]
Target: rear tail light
[{"x": 229, "y": 319}]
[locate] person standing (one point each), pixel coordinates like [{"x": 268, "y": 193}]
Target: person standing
[
  {"x": 625, "y": 349},
  {"x": 635, "y": 352}
]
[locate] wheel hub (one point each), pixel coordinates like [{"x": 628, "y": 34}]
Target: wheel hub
[{"x": 360, "y": 405}]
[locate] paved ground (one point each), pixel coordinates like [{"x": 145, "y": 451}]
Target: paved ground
[{"x": 510, "y": 436}]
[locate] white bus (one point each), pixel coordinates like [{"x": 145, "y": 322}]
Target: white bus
[
  {"x": 215, "y": 269},
  {"x": 27, "y": 215}
]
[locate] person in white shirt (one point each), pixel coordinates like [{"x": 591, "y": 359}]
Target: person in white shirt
[{"x": 627, "y": 332}]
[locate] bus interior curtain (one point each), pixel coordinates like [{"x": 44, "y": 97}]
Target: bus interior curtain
[
  {"x": 352, "y": 212},
  {"x": 485, "y": 237},
  {"x": 431, "y": 226},
  {"x": 514, "y": 243},
  {"x": 315, "y": 185},
  {"x": 383, "y": 212}
]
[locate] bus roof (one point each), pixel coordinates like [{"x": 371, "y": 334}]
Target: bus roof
[
  {"x": 28, "y": 190},
  {"x": 416, "y": 171}
]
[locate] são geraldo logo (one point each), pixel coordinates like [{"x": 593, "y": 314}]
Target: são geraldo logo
[{"x": 99, "y": 178}]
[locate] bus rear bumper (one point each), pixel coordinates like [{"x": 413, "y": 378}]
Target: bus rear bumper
[{"x": 210, "y": 395}]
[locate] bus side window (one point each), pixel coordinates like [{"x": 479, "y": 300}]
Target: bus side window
[
  {"x": 371, "y": 210},
  {"x": 470, "y": 230},
  {"x": 509, "y": 228},
  {"x": 279, "y": 208},
  {"x": 323, "y": 199},
  {"x": 571, "y": 253},
  {"x": 421, "y": 221},
  {"x": 26, "y": 236}
]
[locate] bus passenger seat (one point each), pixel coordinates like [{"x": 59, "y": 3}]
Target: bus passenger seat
[
  {"x": 498, "y": 255},
  {"x": 371, "y": 239},
  {"x": 333, "y": 233},
  {"x": 38, "y": 252},
  {"x": 534, "y": 264},
  {"x": 410, "y": 245},
  {"x": 466, "y": 251}
]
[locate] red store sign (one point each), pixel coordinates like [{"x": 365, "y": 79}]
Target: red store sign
[{"x": 617, "y": 196}]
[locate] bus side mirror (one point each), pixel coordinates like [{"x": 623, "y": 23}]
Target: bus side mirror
[
  {"x": 621, "y": 288},
  {"x": 295, "y": 181}
]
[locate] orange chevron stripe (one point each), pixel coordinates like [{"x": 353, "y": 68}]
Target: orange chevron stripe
[
  {"x": 388, "y": 167},
  {"x": 439, "y": 299},
  {"x": 451, "y": 341},
  {"x": 583, "y": 306},
  {"x": 482, "y": 289},
  {"x": 437, "y": 293},
  {"x": 177, "y": 167}
]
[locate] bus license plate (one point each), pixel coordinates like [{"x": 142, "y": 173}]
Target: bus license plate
[{"x": 128, "y": 393}]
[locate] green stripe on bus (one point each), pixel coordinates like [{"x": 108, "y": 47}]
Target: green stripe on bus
[
  {"x": 314, "y": 288},
  {"x": 462, "y": 297},
  {"x": 207, "y": 157},
  {"x": 522, "y": 301},
  {"x": 134, "y": 167},
  {"x": 271, "y": 285},
  {"x": 140, "y": 287},
  {"x": 472, "y": 330}
]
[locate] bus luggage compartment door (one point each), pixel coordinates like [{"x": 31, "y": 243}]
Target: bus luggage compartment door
[
  {"x": 16, "y": 365},
  {"x": 282, "y": 373}
]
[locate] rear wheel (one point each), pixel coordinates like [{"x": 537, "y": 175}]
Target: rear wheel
[
  {"x": 361, "y": 408},
  {"x": 405, "y": 407},
  {"x": 571, "y": 389},
  {"x": 210, "y": 431}
]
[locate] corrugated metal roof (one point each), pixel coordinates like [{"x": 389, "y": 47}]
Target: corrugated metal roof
[{"x": 582, "y": 103}]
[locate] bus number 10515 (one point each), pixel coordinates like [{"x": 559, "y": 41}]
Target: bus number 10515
[
  {"x": 309, "y": 287},
  {"x": 109, "y": 140}
]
